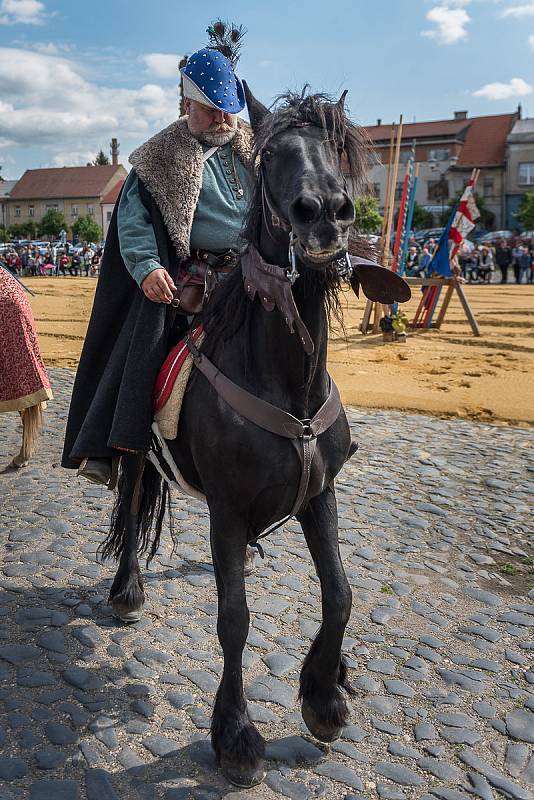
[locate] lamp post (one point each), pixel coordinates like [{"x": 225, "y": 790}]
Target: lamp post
[{"x": 441, "y": 168}]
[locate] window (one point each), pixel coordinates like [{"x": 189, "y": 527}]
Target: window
[
  {"x": 17, "y": 211},
  {"x": 438, "y": 190},
  {"x": 404, "y": 156},
  {"x": 74, "y": 211},
  {"x": 52, "y": 207},
  {"x": 398, "y": 190},
  {"x": 439, "y": 154},
  {"x": 488, "y": 187},
  {"x": 31, "y": 211},
  {"x": 108, "y": 216},
  {"x": 376, "y": 190},
  {"x": 526, "y": 173},
  {"x": 90, "y": 210}
]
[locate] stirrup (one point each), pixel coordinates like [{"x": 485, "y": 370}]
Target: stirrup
[{"x": 96, "y": 470}]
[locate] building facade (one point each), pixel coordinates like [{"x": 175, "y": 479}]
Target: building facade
[
  {"x": 519, "y": 168},
  {"x": 73, "y": 191},
  {"x": 6, "y": 187},
  {"x": 447, "y": 151},
  {"x": 108, "y": 204}
]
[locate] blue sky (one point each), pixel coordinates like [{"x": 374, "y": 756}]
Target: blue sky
[{"x": 74, "y": 74}]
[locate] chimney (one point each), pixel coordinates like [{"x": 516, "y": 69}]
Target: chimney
[
  {"x": 114, "y": 152},
  {"x": 460, "y": 115},
  {"x": 379, "y": 122}
]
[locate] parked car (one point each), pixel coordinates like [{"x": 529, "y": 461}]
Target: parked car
[
  {"x": 494, "y": 236},
  {"x": 427, "y": 233}
]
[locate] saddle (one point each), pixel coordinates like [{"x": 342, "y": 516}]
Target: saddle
[{"x": 198, "y": 278}]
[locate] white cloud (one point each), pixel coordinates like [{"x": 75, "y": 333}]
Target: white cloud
[
  {"x": 26, "y": 12},
  {"x": 524, "y": 10},
  {"x": 47, "y": 102},
  {"x": 162, "y": 65},
  {"x": 531, "y": 41},
  {"x": 450, "y": 24},
  {"x": 74, "y": 158},
  {"x": 517, "y": 87}
]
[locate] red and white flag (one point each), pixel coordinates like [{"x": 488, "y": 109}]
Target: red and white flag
[{"x": 464, "y": 220}]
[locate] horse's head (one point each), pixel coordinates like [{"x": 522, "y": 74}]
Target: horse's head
[{"x": 303, "y": 149}]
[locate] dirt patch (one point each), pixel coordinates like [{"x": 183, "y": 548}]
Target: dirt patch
[{"x": 447, "y": 373}]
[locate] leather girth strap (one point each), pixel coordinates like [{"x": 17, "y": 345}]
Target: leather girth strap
[{"x": 303, "y": 433}]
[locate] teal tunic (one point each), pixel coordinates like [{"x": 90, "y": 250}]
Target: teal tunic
[{"x": 217, "y": 221}]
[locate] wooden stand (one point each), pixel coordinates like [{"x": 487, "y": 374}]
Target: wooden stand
[{"x": 452, "y": 284}]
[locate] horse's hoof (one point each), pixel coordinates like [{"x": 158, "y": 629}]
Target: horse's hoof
[
  {"x": 242, "y": 776},
  {"x": 125, "y": 614},
  {"x": 321, "y": 731},
  {"x": 250, "y": 566}
]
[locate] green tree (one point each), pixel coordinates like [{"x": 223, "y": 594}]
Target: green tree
[
  {"x": 368, "y": 219},
  {"x": 87, "y": 230},
  {"x": 101, "y": 160},
  {"x": 23, "y": 230},
  {"x": 525, "y": 213},
  {"x": 421, "y": 217},
  {"x": 52, "y": 223},
  {"x": 4, "y": 237}
]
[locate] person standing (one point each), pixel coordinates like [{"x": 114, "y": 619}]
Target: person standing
[
  {"x": 525, "y": 263},
  {"x": 516, "y": 255},
  {"x": 503, "y": 257}
]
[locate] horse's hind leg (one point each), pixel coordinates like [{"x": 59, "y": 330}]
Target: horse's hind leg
[
  {"x": 239, "y": 747},
  {"x": 32, "y": 422},
  {"x": 324, "y": 672},
  {"x": 126, "y": 595}
]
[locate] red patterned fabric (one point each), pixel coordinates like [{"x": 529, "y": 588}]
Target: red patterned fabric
[
  {"x": 23, "y": 378},
  {"x": 170, "y": 369}
]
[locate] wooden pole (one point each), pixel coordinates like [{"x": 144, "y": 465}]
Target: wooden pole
[
  {"x": 393, "y": 191},
  {"x": 379, "y": 310},
  {"x": 388, "y": 194}
]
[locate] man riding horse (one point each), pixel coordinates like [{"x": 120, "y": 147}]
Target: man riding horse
[{"x": 175, "y": 231}]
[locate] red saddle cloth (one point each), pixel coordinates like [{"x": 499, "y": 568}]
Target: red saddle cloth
[{"x": 170, "y": 370}]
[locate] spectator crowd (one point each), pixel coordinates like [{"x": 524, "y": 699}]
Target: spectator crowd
[
  {"x": 32, "y": 260},
  {"x": 490, "y": 262}
]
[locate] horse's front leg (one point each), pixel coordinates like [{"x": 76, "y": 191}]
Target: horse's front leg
[
  {"x": 324, "y": 671},
  {"x": 238, "y": 745},
  {"x": 127, "y": 595}
]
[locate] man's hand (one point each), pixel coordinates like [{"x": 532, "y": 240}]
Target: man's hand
[{"x": 158, "y": 286}]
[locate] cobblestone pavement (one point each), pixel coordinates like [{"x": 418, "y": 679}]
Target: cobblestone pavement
[{"x": 434, "y": 527}]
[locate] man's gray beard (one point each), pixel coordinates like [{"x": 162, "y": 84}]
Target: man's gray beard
[{"x": 217, "y": 139}]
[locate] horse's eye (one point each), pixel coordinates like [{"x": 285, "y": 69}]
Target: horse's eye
[{"x": 266, "y": 155}]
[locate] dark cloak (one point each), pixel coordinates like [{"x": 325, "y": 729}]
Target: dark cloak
[{"x": 126, "y": 343}]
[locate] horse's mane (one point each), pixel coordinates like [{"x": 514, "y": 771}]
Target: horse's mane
[{"x": 228, "y": 310}]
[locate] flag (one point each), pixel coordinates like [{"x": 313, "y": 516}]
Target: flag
[{"x": 460, "y": 223}]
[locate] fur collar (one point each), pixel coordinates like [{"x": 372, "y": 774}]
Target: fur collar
[{"x": 170, "y": 166}]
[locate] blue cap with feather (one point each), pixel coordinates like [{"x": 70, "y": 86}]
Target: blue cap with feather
[{"x": 209, "y": 76}]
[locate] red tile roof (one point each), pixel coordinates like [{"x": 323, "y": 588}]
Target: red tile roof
[
  {"x": 419, "y": 130},
  {"x": 484, "y": 137},
  {"x": 44, "y": 184},
  {"x": 111, "y": 197},
  {"x": 485, "y": 145}
]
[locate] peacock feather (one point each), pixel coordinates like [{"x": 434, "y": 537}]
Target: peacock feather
[{"x": 227, "y": 37}]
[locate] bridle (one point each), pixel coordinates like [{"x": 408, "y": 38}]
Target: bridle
[{"x": 342, "y": 265}]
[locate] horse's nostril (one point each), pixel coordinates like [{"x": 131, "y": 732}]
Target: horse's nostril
[
  {"x": 305, "y": 208},
  {"x": 341, "y": 208}
]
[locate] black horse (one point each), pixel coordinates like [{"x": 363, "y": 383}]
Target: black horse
[{"x": 250, "y": 476}]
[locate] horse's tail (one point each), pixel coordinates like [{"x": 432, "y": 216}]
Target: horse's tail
[
  {"x": 32, "y": 423},
  {"x": 154, "y": 504}
]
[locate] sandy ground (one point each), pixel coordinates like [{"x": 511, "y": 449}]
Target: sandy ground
[{"x": 445, "y": 373}]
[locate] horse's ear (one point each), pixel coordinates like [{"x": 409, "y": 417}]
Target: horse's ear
[
  {"x": 256, "y": 110},
  {"x": 341, "y": 102}
]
